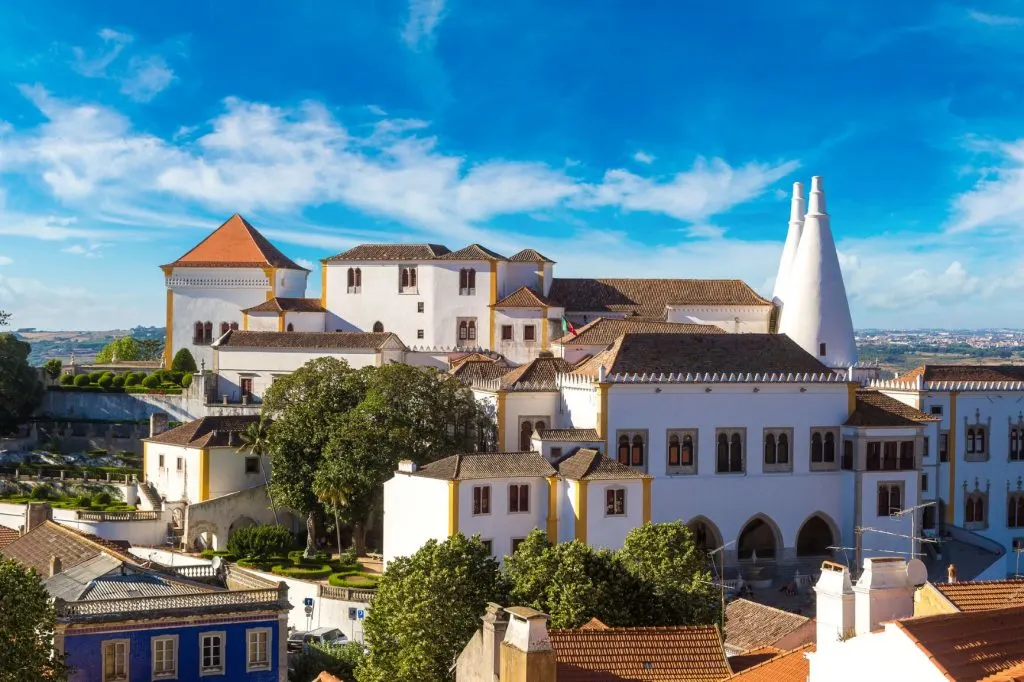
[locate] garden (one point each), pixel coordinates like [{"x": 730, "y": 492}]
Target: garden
[
  {"x": 84, "y": 497},
  {"x": 167, "y": 382}
]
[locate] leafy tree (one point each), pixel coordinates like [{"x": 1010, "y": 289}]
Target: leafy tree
[
  {"x": 150, "y": 349},
  {"x": 27, "y": 624},
  {"x": 184, "y": 362},
  {"x": 4, "y": 318},
  {"x": 124, "y": 349},
  {"x": 254, "y": 443},
  {"x": 341, "y": 660},
  {"x": 426, "y": 608},
  {"x": 20, "y": 390},
  {"x": 52, "y": 368},
  {"x": 260, "y": 542}
]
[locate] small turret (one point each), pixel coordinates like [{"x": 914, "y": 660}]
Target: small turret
[{"x": 796, "y": 226}]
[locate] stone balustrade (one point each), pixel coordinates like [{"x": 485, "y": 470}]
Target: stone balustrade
[
  {"x": 197, "y": 571},
  {"x": 344, "y": 593},
  {"x": 117, "y": 516},
  {"x": 269, "y": 598}
]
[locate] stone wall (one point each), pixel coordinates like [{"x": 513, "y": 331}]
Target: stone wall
[{"x": 222, "y": 515}]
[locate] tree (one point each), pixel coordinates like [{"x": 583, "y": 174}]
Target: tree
[
  {"x": 426, "y": 608},
  {"x": 52, "y": 367},
  {"x": 184, "y": 362},
  {"x": 341, "y": 660},
  {"x": 150, "y": 349},
  {"x": 20, "y": 389},
  {"x": 123, "y": 349},
  {"x": 27, "y": 623},
  {"x": 5, "y": 317},
  {"x": 254, "y": 443}
]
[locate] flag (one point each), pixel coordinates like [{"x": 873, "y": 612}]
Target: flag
[{"x": 568, "y": 328}]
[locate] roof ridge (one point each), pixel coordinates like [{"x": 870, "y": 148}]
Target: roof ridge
[
  {"x": 800, "y": 649},
  {"x": 82, "y": 535},
  {"x": 773, "y": 608}
]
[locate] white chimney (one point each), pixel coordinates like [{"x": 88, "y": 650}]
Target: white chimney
[
  {"x": 885, "y": 591},
  {"x": 796, "y": 226},
  {"x": 407, "y": 466},
  {"x": 602, "y": 373},
  {"x": 526, "y": 652},
  {"x": 835, "y": 605}
]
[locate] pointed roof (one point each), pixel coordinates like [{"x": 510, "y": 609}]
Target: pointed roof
[
  {"x": 473, "y": 252},
  {"x": 874, "y": 409},
  {"x": 587, "y": 464},
  {"x": 280, "y": 304},
  {"x": 536, "y": 375},
  {"x": 796, "y": 226},
  {"x": 213, "y": 431},
  {"x": 818, "y": 311},
  {"x": 235, "y": 244},
  {"x": 524, "y": 297},
  {"x": 530, "y": 256},
  {"x": 72, "y": 547}
]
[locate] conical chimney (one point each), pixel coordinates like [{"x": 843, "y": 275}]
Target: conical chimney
[{"x": 796, "y": 226}]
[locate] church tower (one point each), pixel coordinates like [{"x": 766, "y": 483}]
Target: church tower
[
  {"x": 815, "y": 311},
  {"x": 796, "y": 226}
]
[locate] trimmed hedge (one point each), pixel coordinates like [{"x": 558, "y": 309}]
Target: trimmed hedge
[
  {"x": 260, "y": 542},
  {"x": 152, "y": 381},
  {"x": 209, "y": 554},
  {"x": 303, "y": 572},
  {"x": 106, "y": 381},
  {"x": 82, "y": 380},
  {"x": 67, "y": 380},
  {"x": 357, "y": 581},
  {"x": 186, "y": 379}
]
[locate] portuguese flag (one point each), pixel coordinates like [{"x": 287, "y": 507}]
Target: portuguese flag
[{"x": 568, "y": 328}]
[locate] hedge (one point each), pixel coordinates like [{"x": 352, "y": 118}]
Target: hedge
[
  {"x": 209, "y": 554},
  {"x": 106, "y": 381},
  {"x": 67, "y": 379},
  {"x": 152, "y": 381},
  {"x": 303, "y": 572},
  {"x": 260, "y": 542},
  {"x": 82, "y": 380},
  {"x": 358, "y": 580}
]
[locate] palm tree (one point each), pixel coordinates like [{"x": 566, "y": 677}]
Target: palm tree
[{"x": 254, "y": 442}]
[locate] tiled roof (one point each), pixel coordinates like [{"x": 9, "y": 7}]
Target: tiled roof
[
  {"x": 523, "y": 297},
  {"x": 280, "y": 304},
  {"x": 644, "y": 654},
  {"x": 963, "y": 373},
  {"x": 537, "y": 374},
  {"x": 7, "y": 536},
  {"x": 969, "y": 646},
  {"x": 590, "y": 465},
  {"x": 218, "y": 431},
  {"x": 481, "y": 465},
  {"x": 1014, "y": 674},
  {"x": 455, "y": 359},
  {"x": 320, "y": 340},
  {"x": 396, "y": 252},
  {"x": 593, "y": 624},
  {"x": 530, "y": 256},
  {"x": 470, "y": 370},
  {"x": 604, "y": 330},
  {"x": 685, "y": 353},
  {"x": 570, "y": 435},
  {"x": 741, "y": 662},
  {"x": 749, "y": 625},
  {"x": 648, "y": 297},
  {"x": 235, "y": 244},
  {"x": 473, "y": 252},
  {"x": 982, "y": 595},
  {"x": 877, "y": 409},
  {"x": 791, "y": 666},
  {"x": 72, "y": 547}
]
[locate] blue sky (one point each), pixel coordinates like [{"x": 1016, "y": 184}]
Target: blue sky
[{"x": 621, "y": 139}]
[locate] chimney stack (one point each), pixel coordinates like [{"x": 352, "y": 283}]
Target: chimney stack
[
  {"x": 884, "y": 592},
  {"x": 796, "y": 226},
  {"x": 157, "y": 423},
  {"x": 495, "y": 625},
  {"x": 408, "y": 466},
  {"x": 951, "y": 573},
  {"x": 55, "y": 565},
  {"x": 835, "y": 605},
  {"x": 526, "y": 653},
  {"x": 36, "y": 513}
]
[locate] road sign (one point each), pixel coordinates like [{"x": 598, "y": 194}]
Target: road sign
[
  {"x": 351, "y": 613},
  {"x": 361, "y": 614},
  {"x": 308, "y": 601},
  {"x": 309, "y": 611}
]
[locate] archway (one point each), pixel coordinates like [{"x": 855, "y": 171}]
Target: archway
[
  {"x": 759, "y": 537},
  {"x": 205, "y": 540},
  {"x": 705, "y": 533},
  {"x": 815, "y": 537}
]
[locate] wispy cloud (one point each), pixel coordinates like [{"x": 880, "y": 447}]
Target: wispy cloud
[
  {"x": 994, "y": 19},
  {"x": 6, "y": 260},
  {"x": 87, "y": 251},
  {"x": 424, "y": 17},
  {"x": 95, "y": 65},
  {"x": 146, "y": 77},
  {"x": 997, "y": 197},
  {"x": 142, "y": 78},
  {"x": 643, "y": 157}
]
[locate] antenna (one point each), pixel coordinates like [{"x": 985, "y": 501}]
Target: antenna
[
  {"x": 896, "y": 515},
  {"x": 721, "y": 578}
]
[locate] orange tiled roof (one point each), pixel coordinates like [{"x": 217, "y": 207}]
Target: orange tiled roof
[
  {"x": 593, "y": 624},
  {"x": 678, "y": 654},
  {"x": 648, "y": 297},
  {"x": 524, "y": 297},
  {"x": 791, "y": 666},
  {"x": 34, "y": 549},
  {"x": 280, "y": 304},
  {"x": 969, "y": 646},
  {"x": 877, "y": 409},
  {"x": 530, "y": 256},
  {"x": 749, "y": 625},
  {"x": 604, "y": 330},
  {"x": 537, "y": 374},
  {"x": 7, "y": 536},
  {"x": 982, "y": 595},
  {"x": 235, "y": 244},
  {"x": 962, "y": 373},
  {"x": 1014, "y": 674},
  {"x": 741, "y": 662}
]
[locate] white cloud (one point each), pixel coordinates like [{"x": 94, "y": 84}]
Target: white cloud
[
  {"x": 643, "y": 157},
  {"x": 141, "y": 79},
  {"x": 424, "y": 17},
  {"x": 306, "y": 263},
  {"x": 34, "y": 303},
  {"x": 88, "y": 251},
  {"x": 95, "y": 66},
  {"x": 6, "y": 260},
  {"x": 146, "y": 77},
  {"x": 994, "y": 19},
  {"x": 997, "y": 197}
]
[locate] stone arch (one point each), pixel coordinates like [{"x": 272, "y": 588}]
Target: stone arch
[
  {"x": 203, "y": 535},
  {"x": 240, "y": 522},
  {"x": 816, "y": 534},
  {"x": 760, "y": 535},
  {"x": 705, "y": 533}
]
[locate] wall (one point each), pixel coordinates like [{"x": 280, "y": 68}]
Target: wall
[
  {"x": 610, "y": 531},
  {"x": 518, "y": 349},
  {"x": 221, "y": 515},
  {"x": 227, "y": 471},
  {"x": 885, "y": 655},
  {"x": 136, "y": 532},
  {"x": 501, "y": 526},
  {"x": 415, "y": 510},
  {"x": 305, "y": 322},
  {"x": 733, "y": 319},
  {"x": 533, "y": 404},
  {"x": 263, "y": 364},
  {"x": 579, "y": 404},
  {"x": 928, "y": 601},
  {"x": 171, "y": 483},
  {"x": 113, "y": 406}
]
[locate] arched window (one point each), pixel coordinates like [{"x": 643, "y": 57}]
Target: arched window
[
  {"x": 351, "y": 280},
  {"x": 782, "y": 449},
  {"x": 412, "y": 277},
  {"x": 890, "y": 497},
  {"x": 674, "y": 455},
  {"x": 1014, "y": 451},
  {"x": 463, "y": 330},
  {"x": 405, "y": 277},
  {"x": 687, "y": 451},
  {"x": 291, "y": 327},
  {"x": 830, "y": 446},
  {"x": 525, "y": 436},
  {"x": 736, "y": 453},
  {"x": 638, "y": 451},
  {"x": 817, "y": 449},
  {"x": 979, "y": 443},
  {"x": 624, "y": 450},
  {"x": 224, "y": 327},
  {"x": 234, "y": 326},
  {"x": 974, "y": 511},
  {"x": 197, "y": 333},
  {"x": 472, "y": 330},
  {"x": 723, "y": 453},
  {"x": 378, "y": 327},
  {"x": 1015, "y": 511},
  {"x": 208, "y": 332},
  {"x": 769, "y": 449},
  {"x": 471, "y": 280},
  {"x": 970, "y": 440}
]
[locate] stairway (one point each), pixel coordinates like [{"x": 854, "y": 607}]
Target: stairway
[{"x": 149, "y": 493}]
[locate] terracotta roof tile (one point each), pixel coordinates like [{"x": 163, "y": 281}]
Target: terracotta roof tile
[
  {"x": 590, "y": 465},
  {"x": 648, "y": 297},
  {"x": 483, "y": 465},
  {"x": 217, "y": 431},
  {"x": 970, "y": 646},
  {"x": 791, "y": 666},
  {"x": 7, "y": 536},
  {"x": 982, "y": 595},
  {"x": 692, "y": 353},
  {"x": 236, "y": 244},
  {"x": 468, "y": 371},
  {"x": 644, "y": 654},
  {"x": 749, "y": 625},
  {"x": 280, "y": 304},
  {"x": 570, "y": 435},
  {"x": 530, "y": 256},
  {"x": 455, "y": 359},
  {"x": 392, "y": 252},
  {"x": 741, "y": 662},
  {"x": 593, "y": 624},
  {"x": 604, "y": 330},
  {"x": 962, "y": 373},
  {"x": 524, "y": 297},
  {"x": 536, "y": 375},
  {"x": 1013, "y": 674},
  {"x": 877, "y": 409},
  {"x": 320, "y": 340},
  {"x": 473, "y": 252},
  {"x": 72, "y": 547}
]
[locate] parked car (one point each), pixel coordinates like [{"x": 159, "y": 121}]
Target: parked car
[{"x": 298, "y": 639}]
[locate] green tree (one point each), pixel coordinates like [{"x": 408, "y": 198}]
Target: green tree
[
  {"x": 27, "y": 624},
  {"x": 254, "y": 444},
  {"x": 124, "y": 349},
  {"x": 20, "y": 389},
  {"x": 184, "y": 362},
  {"x": 150, "y": 349},
  {"x": 52, "y": 367},
  {"x": 426, "y": 608},
  {"x": 341, "y": 660},
  {"x": 5, "y": 317}
]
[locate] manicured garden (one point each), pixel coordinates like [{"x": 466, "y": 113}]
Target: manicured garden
[
  {"x": 168, "y": 382},
  {"x": 81, "y": 499}
]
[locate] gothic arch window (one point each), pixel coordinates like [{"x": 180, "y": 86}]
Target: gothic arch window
[
  {"x": 817, "y": 448},
  {"x": 1015, "y": 510},
  {"x": 890, "y": 498},
  {"x": 197, "y": 333},
  {"x": 408, "y": 277},
  {"x": 729, "y": 451},
  {"x": 830, "y": 446},
  {"x": 526, "y": 429},
  {"x": 970, "y": 441},
  {"x": 359, "y": 279},
  {"x": 472, "y": 330},
  {"x": 974, "y": 509},
  {"x": 224, "y": 327},
  {"x": 350, "y": 282},
  {"x": 632, "y": 448},
  {"x": 378, "y": 327},
  {"x": 208, "y": 332},
  {"x": 467, "y": 281},
  {"x": 472, "y": 280},
  {"x": 637, "y": 451},
  {"x": 1016, "y": 443},
  {"x": 782, "y": 448},
  {"x": 776, "y": 450},
  {"x": 291, "y": 327},
  {"x": 736, "y": 452},
  {"x": 623, "y": 453},
  {"x": 687, "y": 450},
  {"x": 354, "y": 280},
  {"x": 769, "y": 449}
]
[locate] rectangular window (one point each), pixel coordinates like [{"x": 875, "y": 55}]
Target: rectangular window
[
  {"x": 246, "y": 385},
  {"x": 681, "y": 457},
  {"x": 927, "y": 447},
  {"x": 615, "y": 502},
  {"x": 924, "y": 482},
  {"x": 529, "y": 333},
  {"x": 890, "y": 455},
  {"x": 1015, "y": 510},
  {"x": 874, "y": 462},
  {"x": 181, "y": 463},
  {"x": 165, "y": 657},
  {"x": 729, "y": 451},
  {"x": 419, "y": 333},
  {"x": 944, "y": 446},
  {"x": 506, "y": 332},
  {"x": 115, "y": 660},
  {"x": 632, "y": 449},
  {"x": 518, "y": 498},
  {"x": 928, "y": 518},
  {"x": 419, "y": 306},
  {"x": 848, "y": 455},
  {"x": 211, "y": 653},
  {"x": 907, "y": 455},
  {"x": 258, "y": 654},
  {"x": 481, "y": 499},
  {"x": 488, "y": 545},
  {"x": 556, "y": 453},
  {"x": 890, "y": 497},
  {"x": 778, "y": 450},
  {"x": 936, "y": 409},
  {"x": 252, "y": 465},
  {"x": 516, "y": 542},
  {"x": 160, "y": 461}
]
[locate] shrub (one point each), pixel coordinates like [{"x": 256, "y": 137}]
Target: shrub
[
  {"x": 119, "y": 381},
  {"x": 41, "y": 492},
  {"x": 260, "y": 542},
  {"x": 356, "y": 580},
  {"x": 303, "y": 572},
  {"x": 102, "y": 498},
  {"x": 152, "y": 381},
  {"x": 82, "y": 380},
  {"x": 52, "y": 368},
  {"x": 67, "y": 379},
  {"x": 183, "y": 361},
  {"x": 106, "y": 381},
  {"x": 175, "y": 377},
  {"x": 85, "y": 500},
  {"x": 186, "y": 379},
  {"x": 95, "y": 376},
  {"x": 131, "y": 379},
  {"x": 348, "y": 556}
]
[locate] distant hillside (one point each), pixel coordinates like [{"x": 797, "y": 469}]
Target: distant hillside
[{"x": 85, "y": 345}]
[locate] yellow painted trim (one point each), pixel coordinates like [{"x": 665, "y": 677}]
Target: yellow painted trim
[
  {"x": 647, "y": 500},
  {"x": 851, "y": 399},
  {"x": 280, "y": 321},
  {"x": 169, "y": 337},
  {"x": 323, "y": 285},
  {"x": 544, "y": 328},
  {"x": 494, "y": 298},
  {"x": 453, "y": 508},
  {"x": 144, "y": 454},
  {"x": 581, "y": 510},
  {"x": 602, "y": 415},
  {"x": 204, "y": 474},
  {"x": 245, "y": 322},
  {"x": 552, "y": 509},
  {"x": 952, "y": 448},
  {"x": 271, "y": 274},
  {"x": 500, "y": 416}
]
